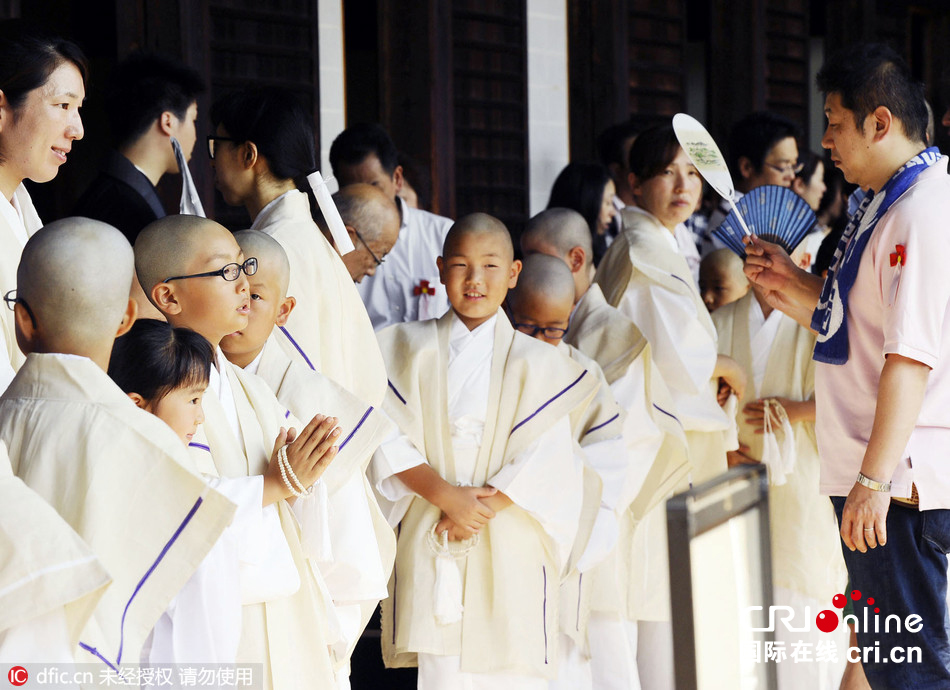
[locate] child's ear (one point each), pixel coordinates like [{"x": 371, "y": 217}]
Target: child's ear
[
  {"x": 575, "y": 258},
  {"x": 163, "y": 297},
  {"x": 440, "y": 264},
  {"x": 26, "y": 334},
  {"x": 139, "y": 401},
  {"x": 128, "y": 318},
  {"x": 283, "y": 313},
  {"x": 513, "y": 273}
]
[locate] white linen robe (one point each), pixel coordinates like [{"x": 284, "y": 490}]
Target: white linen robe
[
  {"x": 807, "y": 565},
  {"x": 329, "y": 329},
  {"x": 287, "y": 617},
  {"x": 358, "y": 561},
  {"x": 50, "y": 580},
  {"x": 122, "y": 479},
  {"x": 18, "y": 220},
  {"x": 510, "y": 594}
]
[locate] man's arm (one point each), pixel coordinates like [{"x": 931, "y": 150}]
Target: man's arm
[
  {"x": 786, "y": 287},
  {"x": 900, "y": 395}
]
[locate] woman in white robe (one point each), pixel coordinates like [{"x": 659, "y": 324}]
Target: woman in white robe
[
  {"x": 646, "y": 277},
  {"x": 263, "y": 142},
  {"x": 42, "y": 85}
]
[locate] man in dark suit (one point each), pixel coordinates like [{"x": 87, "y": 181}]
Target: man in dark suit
[{"x": 151, "y": 99}]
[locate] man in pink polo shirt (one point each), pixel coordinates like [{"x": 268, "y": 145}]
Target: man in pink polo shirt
[{"x": 883, "y": 375}]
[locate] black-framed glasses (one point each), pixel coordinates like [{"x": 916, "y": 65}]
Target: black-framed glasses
[
  {"x": 229, "y": 272},
  {"x": 793, "y": 168},
  {"x": 11, "y": 299},
  {"x": 213, "y": 138},
  {"x": 378, "y": 261},
  {"x": 530, "y": 329}
]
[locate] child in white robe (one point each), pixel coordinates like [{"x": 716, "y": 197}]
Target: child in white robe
[
  {"x": 356, "y": 556},
  {"x": 165, "y": 371},
  {"x": 540, "y": 306},
  {"x": 196, "y": 275},
  {"x": 807, "y": 566},
  {"x": 630, "y": 582},
  {"x": 487, "y": 451},
  {"x": 118, "y": 476}
]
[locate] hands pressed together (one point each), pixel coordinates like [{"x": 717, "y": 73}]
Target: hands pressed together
[
  {"x": 309, "y": 453},
  {"x": 466, "y": 509}
]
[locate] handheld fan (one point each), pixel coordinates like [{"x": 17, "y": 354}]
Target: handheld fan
[
  {"x": 706, "y": 156},
  {"x": 776, "y": 214}
]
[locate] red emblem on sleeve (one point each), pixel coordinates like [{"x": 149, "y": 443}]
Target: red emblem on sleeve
[
  {"x": 899, "y": 256},
  {"x": 423, "y": 288}
]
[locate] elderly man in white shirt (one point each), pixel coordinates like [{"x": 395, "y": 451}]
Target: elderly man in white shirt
[{"x": 405, "y": 287}]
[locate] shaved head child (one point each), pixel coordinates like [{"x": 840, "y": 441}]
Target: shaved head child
[
  {"x": 486, "y": 488},
  {"x": 195, "y": 273},
  {"x": 119, "y": 476},
  {"x": 540, "y": 306},
  {"x": 357, "y": 557},
  {"x": 721, "y": 280},
  {"x": 624, "y": 586}
]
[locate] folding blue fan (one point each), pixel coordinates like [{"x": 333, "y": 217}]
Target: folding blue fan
[{"x": 776, "y": 214}]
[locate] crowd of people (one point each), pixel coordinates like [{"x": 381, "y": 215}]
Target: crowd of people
[{"x": 229, "y": 447}]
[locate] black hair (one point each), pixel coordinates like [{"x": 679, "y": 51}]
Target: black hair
[
  {"x": 144, "y": 86},
  {"x": 870, "y": 75},
  {"x": 153, "y": 359},
  {"x": 580, "y": 186},
  {"x": 809, "y": 161},
  {"x": 277, "y": 122},
  {"x": 610, "y": 142},
  {"x": 28, "y": 56},
  {"x": 653, "y": 151},
  {"x": 355, "y": 143},
  {"x": 754, "y": 136}
]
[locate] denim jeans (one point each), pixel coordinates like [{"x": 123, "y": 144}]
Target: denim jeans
[{"x": 906, "y": 576}]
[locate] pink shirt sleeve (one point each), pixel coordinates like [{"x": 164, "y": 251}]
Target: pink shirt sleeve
[{"x": 912, "y": 261}]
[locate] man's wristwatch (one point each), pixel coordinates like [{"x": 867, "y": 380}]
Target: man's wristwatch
[{"x": 864, "y": 480}]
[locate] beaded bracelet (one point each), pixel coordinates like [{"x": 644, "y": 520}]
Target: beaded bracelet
[{"x": 290, "y": 478}]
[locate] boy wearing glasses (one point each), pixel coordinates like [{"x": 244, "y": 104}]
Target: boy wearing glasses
[
  {"x": 484, "y": 483},
  {"x": 357, "y": 553},
  {"x": 628, "y": 587},
  {"x": 195, "y": 273},
  {"x": 118, "y": 475}
]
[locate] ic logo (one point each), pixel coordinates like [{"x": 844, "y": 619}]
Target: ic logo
[{"x": 17, "y": 676}]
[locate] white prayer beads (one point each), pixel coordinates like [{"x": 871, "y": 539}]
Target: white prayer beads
[{"x": 288, "y": 475}]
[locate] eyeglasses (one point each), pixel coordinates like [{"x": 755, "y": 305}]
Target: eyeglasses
[
  {"x": 230, "y": 272},
  {"x": 213, "y": 138},
  {"x": 378, "y": 261},
  {"x": 11, "y": 299},
  {"x": 788, "y": 168},
  {"x": 549, "y": 332}
]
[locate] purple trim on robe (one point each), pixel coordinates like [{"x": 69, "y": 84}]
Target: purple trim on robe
[
  {"x": 668, "y": 414},
  {"x": 356, "y": 428},
  {"x": 401, "y": 399},
  {"x": 538, "y": 411},
  {"x": 95, "y": 653},
  {"x": 299, "y": 349},
  {"x": 199, "y": 445},
  {"x": 544, "y": 611},
  {"x": 287, "y": 414},
  {"x": 601, "y": 426},
  {"x": 580, "y": 581},
  {"x": 148, "y": 573},
  {"x": 681, "y": 280}
]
